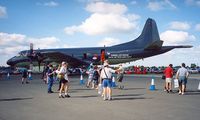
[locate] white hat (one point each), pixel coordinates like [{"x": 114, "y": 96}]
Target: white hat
[{"x": 105, "y": 64}]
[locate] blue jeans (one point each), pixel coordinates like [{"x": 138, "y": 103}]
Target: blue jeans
[{"x": 50, "y": 83}]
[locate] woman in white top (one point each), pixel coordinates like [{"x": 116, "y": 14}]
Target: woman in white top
[{"x": 64, "y": 80}]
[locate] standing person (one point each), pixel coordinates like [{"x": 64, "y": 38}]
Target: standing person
[
  {"x": 64, "y": 80},
  {"x": 24, "y": 76},
  {"x": 45, "y": 73},
  {"x": 95, "y": 77},
  {"x": 168, "y": 78},
  {"x": 50, "y": 74},
  {"x": 58, "y": 78},
  {"x": 182, "y": 75},
  {"x": 120, "y": 77},
  {"x": 106, "y": 75},
  {"x": 90, "y": 76}
]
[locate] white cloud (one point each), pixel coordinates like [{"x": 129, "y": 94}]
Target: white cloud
[
  {"x": 155, "y": 6},
  {"x": 176, "y": 37},
  {"x": 48, "y": 4},
  {"x": 179, "y": 25},
  {"x": 3, "y": 12},
  {"x": 45, "y": 42},
  {"x": 105, "y": 18},
  {"x": 106, "y": 8},
  {"x": 108, "y": 42},
  {"x": 8, "y": 39},
  {"x": 197, "y": 27},
  {"x": 13, "y": 43},
  {"x": 91, "y": 1},
  {"x": 166, "y": 4},
  {"x": 51, "y": 4},
  {"x": 133, "y": 2},
  {"x": 193, "y": 2}
]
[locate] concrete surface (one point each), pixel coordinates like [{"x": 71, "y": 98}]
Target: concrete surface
[{"x": 135, "y": 102}]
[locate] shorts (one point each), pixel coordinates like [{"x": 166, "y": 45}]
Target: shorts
[
  {"x": 95, "y": 81},
  {"x": 107, "y": 83},
  {"x": 64, "y": 81},
  {"x": 24, "y": 76},
  {"x": 182, "y": 80},
  {"x": 168, "y": 80}
]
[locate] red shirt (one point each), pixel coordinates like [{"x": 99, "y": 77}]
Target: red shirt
[{"x": 168, "y": 72}]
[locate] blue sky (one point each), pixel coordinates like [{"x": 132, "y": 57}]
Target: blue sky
[{"x": 92, "y": 23}]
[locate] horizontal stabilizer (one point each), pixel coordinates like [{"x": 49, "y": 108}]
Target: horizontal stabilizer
[{"x": 156, "y": 45}]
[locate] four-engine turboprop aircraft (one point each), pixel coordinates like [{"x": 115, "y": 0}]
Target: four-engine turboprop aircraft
[{"x": 146, "y": 45}]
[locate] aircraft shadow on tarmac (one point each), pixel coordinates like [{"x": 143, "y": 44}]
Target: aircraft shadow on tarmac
[
  {"x": 128, "y": 97},
  {"x": 14, "y": 99},
  {"x": 192, "y": 92},
  {"x": 85, "y": 96},
  {"x": 133, "y": 88}
]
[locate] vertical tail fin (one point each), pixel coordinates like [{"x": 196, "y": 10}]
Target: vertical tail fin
[
  {"x": 148, "y": 40},
  {"x": 150, "y": 36}
]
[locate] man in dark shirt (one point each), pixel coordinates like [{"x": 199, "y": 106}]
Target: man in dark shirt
[
  {"x": 50, "y": 73},
  {"x": 24, "y": 76}
]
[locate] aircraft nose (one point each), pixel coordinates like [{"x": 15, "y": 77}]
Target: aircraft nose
[{"x": 10, "y": 62}]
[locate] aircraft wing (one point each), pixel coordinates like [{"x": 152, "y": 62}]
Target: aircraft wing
[{"x": 59, "y": 57}]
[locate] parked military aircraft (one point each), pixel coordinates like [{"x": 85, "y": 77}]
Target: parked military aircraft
[{"x": 146, "y": 45}]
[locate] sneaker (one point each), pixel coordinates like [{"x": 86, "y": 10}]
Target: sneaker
[
  {"x": 104, "y": 98},
  {"x": 110, "y": 98},
  {"x": 50, "y": 92},
  {"x": 179, "y": 92},
  {"x": 61, "y": 96},
  {"x": 22, "y": 82},
  {"x": 27, "y": 82},
  {"x": 67, "y": 96},
  {"x": 182, "y": 93}
]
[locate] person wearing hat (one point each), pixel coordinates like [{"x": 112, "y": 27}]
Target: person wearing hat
[{"x": 106, "y": 75}]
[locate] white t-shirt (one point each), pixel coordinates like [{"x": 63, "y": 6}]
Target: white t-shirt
[
  {"x": 108, "y": 72},
  {"x": 63, "y": 70},
  {"x": 183, "y": 72}
]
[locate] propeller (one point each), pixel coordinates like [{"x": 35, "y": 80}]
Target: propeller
[{"x": 35, "y": 55}]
